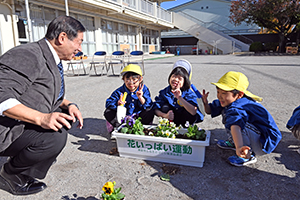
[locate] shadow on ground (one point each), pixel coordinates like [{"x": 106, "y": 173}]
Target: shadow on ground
[
  {"x": 75, "y": 197},
  {"x": 256, "y": 181},
  {"x": 89, "y": 136},
  {"x": 267, "y": 54}
]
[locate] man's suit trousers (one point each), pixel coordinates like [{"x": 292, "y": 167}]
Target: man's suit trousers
[{"x": 34, "y": 151}]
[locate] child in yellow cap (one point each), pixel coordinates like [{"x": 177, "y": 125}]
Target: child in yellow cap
[
  {"x": 250, "y": 127},
  {"x": 138, "y": 101}
]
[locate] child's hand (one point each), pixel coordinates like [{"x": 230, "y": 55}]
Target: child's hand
[
  {"x": 120, "y": 102},
  {"x": 177, "y": 93},
  {"x": 244, "y": 152},
  {"x": 170, "y": 115},
  {"x": 140, "y": 92},
  {"x": 204, "y": 97}
]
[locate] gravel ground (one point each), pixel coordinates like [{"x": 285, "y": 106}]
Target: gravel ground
[{"x": 86, "y": 164}]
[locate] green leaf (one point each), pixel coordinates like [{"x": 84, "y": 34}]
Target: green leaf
[
  {"x": 117, "y": 190},
  {"x": 124, "y": 130},
  {"x": 195, "y": 128},
  {"x": 165, "y": 177},
  {"x": 113, "y": 197},
  {"x": 141, "y": 132},
  {"x": 120, "y": 196}
]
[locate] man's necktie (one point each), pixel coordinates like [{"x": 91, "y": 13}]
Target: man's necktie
[{"x": 61, "y": 71}]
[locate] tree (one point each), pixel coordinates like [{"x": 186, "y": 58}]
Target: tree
[{"x": 280, "y": 16}]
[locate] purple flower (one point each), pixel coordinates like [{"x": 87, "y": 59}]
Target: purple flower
[
  {"x": 130, "y": 123},
  {"x": 122, "y": 120}
]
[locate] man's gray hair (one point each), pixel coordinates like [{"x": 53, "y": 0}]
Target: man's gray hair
[{"x": 67, "y": 24}]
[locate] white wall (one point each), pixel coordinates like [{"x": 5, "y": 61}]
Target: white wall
[
  {"x": 8, "y": 28},
  {"x": 216, "y": 11},
  {"x": 98, "y": 34}
]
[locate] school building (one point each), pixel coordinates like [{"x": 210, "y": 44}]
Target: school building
[
  {"x": 212, "y": 30},
  {"x": 126, "y": 25},
  {"x": 111, "y": 24}
]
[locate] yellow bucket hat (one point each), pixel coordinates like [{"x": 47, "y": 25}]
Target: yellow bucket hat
[
  {"x": 236, "y": 81},
  {"x": 132, "y": 68}
]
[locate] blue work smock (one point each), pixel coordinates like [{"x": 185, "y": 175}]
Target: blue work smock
[
  {"x": 295, "y": 118},
  {"x": 167, "y": 97},
  {"x": 246, "y": 110},
  {"x": 133, "y": 104}
]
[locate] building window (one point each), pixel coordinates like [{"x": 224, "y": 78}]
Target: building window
[
  {"x": 118, "y": 36},
  {"x": 88, "y": 44},
  {"x": 21, "y": 28},
  {"x": 41, "y": 17},
  {"x": 150, "y": 40}
]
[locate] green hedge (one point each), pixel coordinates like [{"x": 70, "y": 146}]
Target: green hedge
[
  {"x": 271, "y": 46},
  {"x": 256, "y": 47}
]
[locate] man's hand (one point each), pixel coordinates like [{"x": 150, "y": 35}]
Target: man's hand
[
  {"x": 75, "y": 113},
  {"x": 55, "y": 121}
]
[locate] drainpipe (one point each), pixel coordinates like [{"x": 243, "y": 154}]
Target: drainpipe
[
  {"x": 12, "y": 8},
  {"x": 1, "y": 45},
  {"x": 67, "y": 8},
  {"x": 28, "y": 21},
  {"x": 197, "y": 50}
]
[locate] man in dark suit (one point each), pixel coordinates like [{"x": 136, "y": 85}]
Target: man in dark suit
[{"x": 34, "y": 116}]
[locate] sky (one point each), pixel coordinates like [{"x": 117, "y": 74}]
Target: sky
[{"x": 171, "y": 4}]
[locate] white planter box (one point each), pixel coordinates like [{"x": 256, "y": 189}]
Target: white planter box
[{"x": 167, "y": 150}]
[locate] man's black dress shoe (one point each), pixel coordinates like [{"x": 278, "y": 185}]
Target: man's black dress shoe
[{"x": 21, "y": 184}]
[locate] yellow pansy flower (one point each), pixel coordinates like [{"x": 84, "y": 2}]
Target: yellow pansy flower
[{"x": 108, "y": 188}]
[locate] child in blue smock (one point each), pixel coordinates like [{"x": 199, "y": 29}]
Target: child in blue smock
[
  {"x": 294, "y": 124},
  {"x": 138, "y": 100},
  {"x": 177, "y": 102},
  {"x": 250, "y": 127}
]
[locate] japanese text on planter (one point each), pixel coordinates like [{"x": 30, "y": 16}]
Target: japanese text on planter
[{"x": 169, "y": 149}]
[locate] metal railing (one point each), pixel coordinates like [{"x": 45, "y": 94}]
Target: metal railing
[
  {"x": 164, "y": 14},
  {"x": 147, "y": 7},
  {"x": 219, "y": 28}
]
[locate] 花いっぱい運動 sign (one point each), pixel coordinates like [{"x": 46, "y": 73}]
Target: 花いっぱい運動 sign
[
  {"x": 160, "y": 147},
  {"x": 168, "y": 150}
]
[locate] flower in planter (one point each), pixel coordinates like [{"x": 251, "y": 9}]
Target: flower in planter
[
  {"x": 194, "y": 132},
  {"x": 165, "y": 128},
  {"x": 132, "y": 126},
  {"x": 110, "y": 193}
]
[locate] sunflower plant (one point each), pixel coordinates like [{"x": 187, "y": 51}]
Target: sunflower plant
[{"x": 110, "y": 193}]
